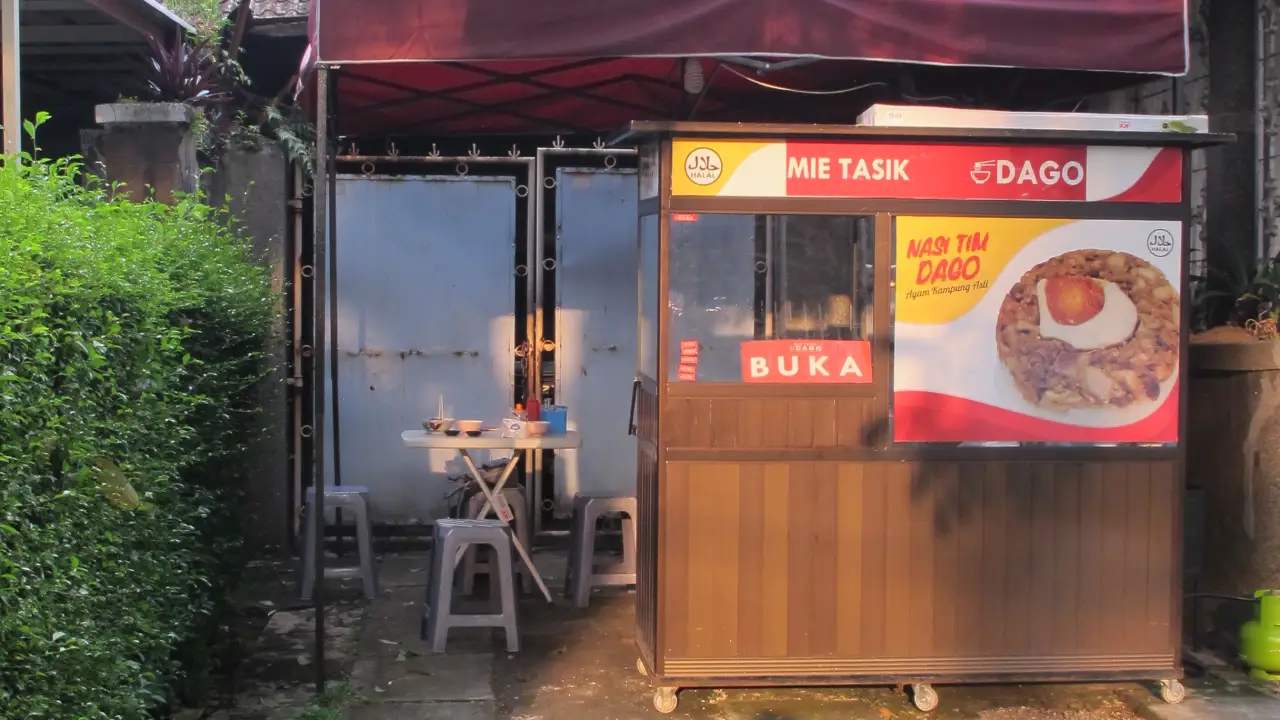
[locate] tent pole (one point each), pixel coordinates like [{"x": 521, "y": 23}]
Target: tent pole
[
  {"x": 319, "y": 232},
  {"x": 334, "y": 81},
  {"x": 12, "y": 77}
]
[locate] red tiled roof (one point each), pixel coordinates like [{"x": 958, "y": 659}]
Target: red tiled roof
[{"x": 273, "y": 9}]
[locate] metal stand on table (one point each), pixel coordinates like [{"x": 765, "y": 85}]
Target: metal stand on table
[{"x": 494, "y": 501}]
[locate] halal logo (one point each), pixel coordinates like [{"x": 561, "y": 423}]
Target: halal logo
[
  {"x": 1160, "y": 242},
  {"x": 703, "y": 166}
]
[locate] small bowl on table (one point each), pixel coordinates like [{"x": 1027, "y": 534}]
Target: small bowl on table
[
  {"x": 538, "y": 428},
  {"x": 471, "y": 428},
  {"x": 437, "y": 425}
]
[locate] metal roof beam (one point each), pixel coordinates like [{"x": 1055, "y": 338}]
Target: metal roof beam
[{"x": 80, "y": 35}]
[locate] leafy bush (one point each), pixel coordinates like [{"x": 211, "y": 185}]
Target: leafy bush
[{"x": 131, "y": 338}]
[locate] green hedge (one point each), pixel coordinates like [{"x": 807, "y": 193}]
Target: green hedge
[{"x": 131, "y": 340}]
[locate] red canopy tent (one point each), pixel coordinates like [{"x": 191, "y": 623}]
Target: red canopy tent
[
  {"x": 553, "y": 66},
  {"x": 591, "y": 65}
]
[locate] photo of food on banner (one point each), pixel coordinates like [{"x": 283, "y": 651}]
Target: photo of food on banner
[
  {"x": 771, "y": 298},
  {"x": 1056, "y": 330}
]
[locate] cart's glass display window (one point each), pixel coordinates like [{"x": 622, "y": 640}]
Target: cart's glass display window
[
  {"x": 1054, "y": 331},
  {"x": 650, "y": 304},
  {"x": 770, "y": 298}
]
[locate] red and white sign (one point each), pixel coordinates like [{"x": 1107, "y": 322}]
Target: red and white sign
[
  {"x": 806, "y": 361},
  {"x": 977, "y": 172},
  {"x": 1070, "y": 173}
]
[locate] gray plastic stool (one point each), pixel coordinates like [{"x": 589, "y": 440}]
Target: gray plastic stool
[
  {"x": 450, "y": 536},
  {"x": 472, "y": 565},
  {"x": 349, "y": 497},
  {"x": 582, "y": 574}
]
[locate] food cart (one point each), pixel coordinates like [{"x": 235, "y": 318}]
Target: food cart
[{"x": 908, "y": 402}]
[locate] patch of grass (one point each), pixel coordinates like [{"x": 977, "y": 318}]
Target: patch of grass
[{"x": 332, "y": 705}]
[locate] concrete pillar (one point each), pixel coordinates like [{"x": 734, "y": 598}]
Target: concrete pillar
[
  {"x": 253, "y": 186},
  {"x": 147, "y": 146}
]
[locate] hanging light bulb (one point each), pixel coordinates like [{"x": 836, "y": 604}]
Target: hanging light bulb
[{"x": 693, "y": 79}]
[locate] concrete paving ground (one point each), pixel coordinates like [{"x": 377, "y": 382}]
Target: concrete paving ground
[{"x": 581, "y": 664}]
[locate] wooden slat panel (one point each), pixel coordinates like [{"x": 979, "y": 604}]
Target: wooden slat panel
[
  {"x": 647, "y": 540},
  {"x": 703, "y": 562},
  {"x": 800, "y": 423},
  {"x": 898, "y": 574},
  {"x": 1017, "y": 598},
  {"x": 945, "y": 523},
  {"x": 824, "y": 422},
  {"x": 751, "y": 424},
  {"x": 849, "y": 578},
  {"x": 1092, "y": 565},
  {"x": 850, "y": 414},
  {"x": 799, "y": 579},
  {"x": 1162, "y": 562},
  {"x": 774, "y": 421},
  {"x": 723, "y": 496},
  {"x": 1065, "y": 635},
  {"x": 995, "y": 559},
  {"x": 676, "y": 524},
  {"x": 922, "y": 490},
  {"x": 825, "y": 523},
  {"x": 889, "y": 561},
  {"x": 875, "y": 557},
  {"x": 971, "y": 585},
  {"x": 1041, "y": 526},
  {"x": 726, "y": 414},
  {"x": 701, "y": 424},
  {"x": 776, "y": 530},
  {"x": 766, "y": 423},
  {"x": 751, "y": 577},
  {"x": 1114, "y": 511},
  {"x": 1137, "y": 537}
]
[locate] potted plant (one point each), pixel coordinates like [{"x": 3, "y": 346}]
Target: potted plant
[
  {"x": 1233, "y": 425},
  {"x": 1248, "y": 301}
]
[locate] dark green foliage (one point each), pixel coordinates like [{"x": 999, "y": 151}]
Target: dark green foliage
[{"x": 131, "y": 338}]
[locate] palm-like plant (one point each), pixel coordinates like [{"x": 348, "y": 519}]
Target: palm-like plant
[{"x": 188, "y": 71}]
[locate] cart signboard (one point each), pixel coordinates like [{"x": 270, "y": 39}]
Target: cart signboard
[
  {"x": 921, "y": 171},
  {"x": 806, "y": 361},
  {"x": 1036, "y": 330}
]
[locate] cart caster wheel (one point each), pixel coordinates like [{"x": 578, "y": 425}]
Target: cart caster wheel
[
  {"x": 924, "y": 697},
  {"x": 1172, "y": 691},
  {"x": 665, "y": 700},
  {"x": 640, "y": 668}
]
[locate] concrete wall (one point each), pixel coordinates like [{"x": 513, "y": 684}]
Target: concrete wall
[{"x": 150, "y": 149}]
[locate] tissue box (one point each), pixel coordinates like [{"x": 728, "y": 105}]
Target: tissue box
[
  {"x": 515, "y": 428},
  {"x": 557, "y": 417}
]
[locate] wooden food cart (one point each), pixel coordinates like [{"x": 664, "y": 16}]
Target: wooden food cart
[{"x": 907, "y": 401}]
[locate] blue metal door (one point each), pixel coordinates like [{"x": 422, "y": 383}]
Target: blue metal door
[
  {"x": 597, "y": 256},
  {"x": 426, "y": 299}
]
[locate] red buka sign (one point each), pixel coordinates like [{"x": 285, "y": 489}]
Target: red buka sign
[
  {"x": 806, "y": 361},
  {"x": 981, "y": 172}
]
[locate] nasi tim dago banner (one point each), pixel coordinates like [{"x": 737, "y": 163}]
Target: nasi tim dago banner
[{"x": 1036, "y": 330}]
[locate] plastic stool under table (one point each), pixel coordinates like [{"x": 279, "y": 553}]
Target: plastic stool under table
[
  {"x": 451, "y": 536},
  {"x": 471, "y": 564},
  {"x": 348, "y": 497},
  {"x": 582, "y": 575}
]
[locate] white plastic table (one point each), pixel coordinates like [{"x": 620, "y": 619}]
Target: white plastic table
[{"x": 494, "y": 499}]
